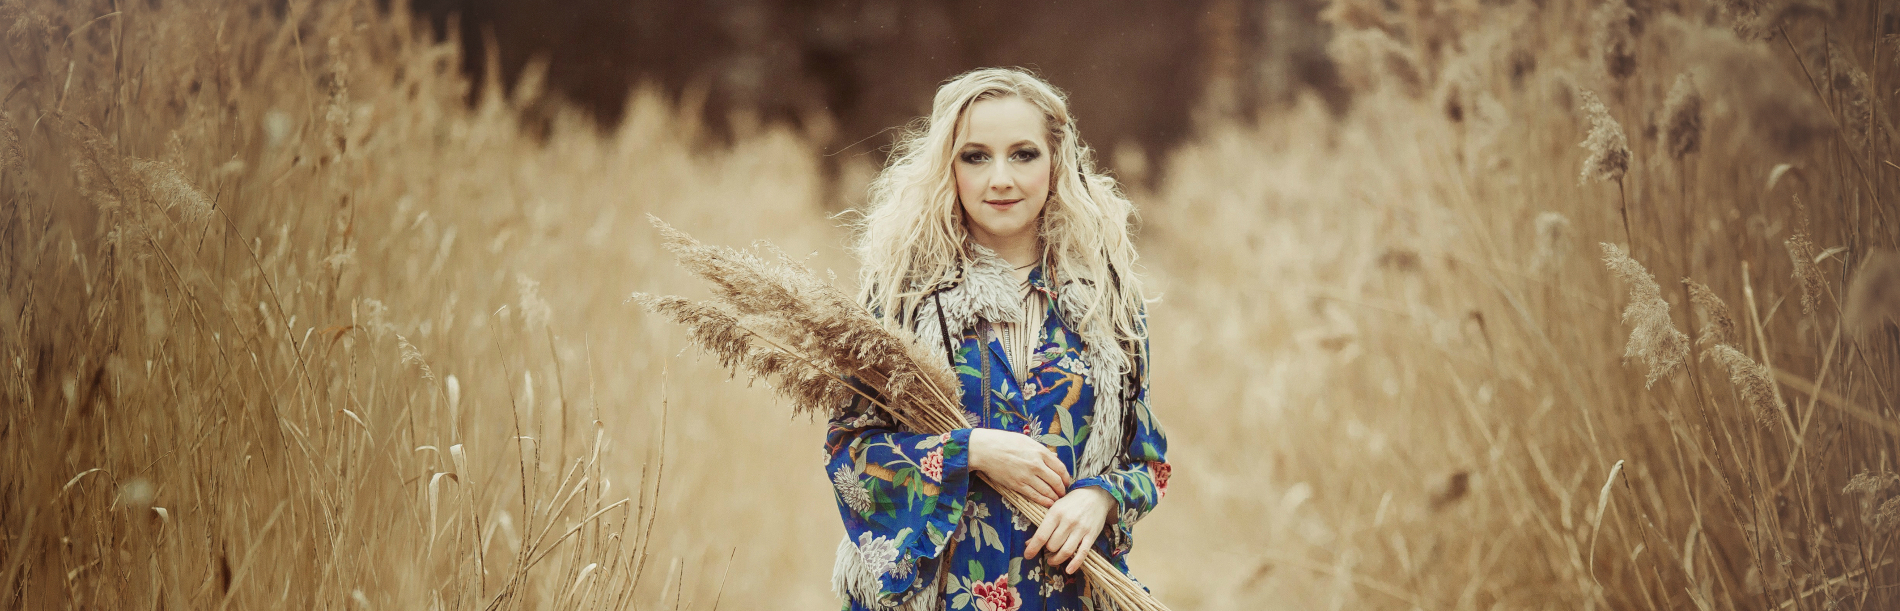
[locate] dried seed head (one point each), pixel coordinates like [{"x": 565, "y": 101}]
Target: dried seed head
[
  {"x": 534, "y": 310},
  {"x": 782, "y": 322},
  {"x": 1871, "y": 483},
  {"x": 1609, "y": 150},
  {"x": 1879, "y": 499},
  {"x": 337, "y": 114},
  {"x": 1653, "y": 336},
  {"x": 1751, "y": 379},
  {"x": 100, "y": 171},
  {"x": 169, "y": 189},
  {"x": 1553, "y": 240},
  {"x": 1682, "y": 118},
  {"x": 1717, "y": 327},
  {"x": 1745, "y": 17},
  {"x": 1806, "y": 273},
  {"x": 1873, "y": 296},
  {"x": 1855, "y": 92},
  {"x": 1616, "y": 26},
  {"x": 12, "y": 157},
  {"x": 413, "y": 356}
]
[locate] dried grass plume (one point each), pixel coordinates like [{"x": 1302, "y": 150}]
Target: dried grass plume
[
  {"x": 169, "y": 188},
  {"x": 1616, "y": 26},
  {"x": 1751, "y": 379},
  {"x": 1801, "y": 251},
  {"x": 1682, "y": 119},
  {"x": 1653, "y": 336},
  {"x": 1553, "y": 241},
  {"x": 1718, "y": 327},
  {"x": 1609, "y": 150}
]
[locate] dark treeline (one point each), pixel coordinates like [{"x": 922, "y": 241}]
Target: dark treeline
[{"x": 1139, "y": 72}]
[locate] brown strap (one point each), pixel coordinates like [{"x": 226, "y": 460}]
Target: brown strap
[
  {"x": 943, "y": 562},
  {"x": 983, "y": 397},
  {"x": 949, "y": 354}
]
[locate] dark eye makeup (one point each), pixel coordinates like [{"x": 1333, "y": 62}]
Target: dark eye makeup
[{"x": 1020, "y": 156}]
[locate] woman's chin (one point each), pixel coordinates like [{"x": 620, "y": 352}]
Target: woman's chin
[{"x": 1005, "y": 229}]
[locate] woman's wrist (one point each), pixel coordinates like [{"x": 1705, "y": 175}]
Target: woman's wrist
[{"x": 979, "y": 440}]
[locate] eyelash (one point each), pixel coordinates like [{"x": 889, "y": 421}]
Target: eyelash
[{"x": 1025, "y": 155}]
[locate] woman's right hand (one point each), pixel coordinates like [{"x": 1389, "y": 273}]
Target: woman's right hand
[{"x": 1014, "y": 461}]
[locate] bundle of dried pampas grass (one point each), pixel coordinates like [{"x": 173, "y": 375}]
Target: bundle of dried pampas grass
[{"x": 779, "y": 321}]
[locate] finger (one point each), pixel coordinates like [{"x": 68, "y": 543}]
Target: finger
[
  {"x": 1055, "y": 552},
  {"x": 1035, "y": 542},
  {"x": 1062, "y": 557},
  {"x": 1052, "y": 480},
  {"x": 1061, "y": 469},
  {"x": 1043, "y": 488},
  {"x": 1069, "y": 553},
  {"x": 1053, "y": 541},
  {"x": 1032, "y": 491},
  {"x": 1081, "y": 554}
]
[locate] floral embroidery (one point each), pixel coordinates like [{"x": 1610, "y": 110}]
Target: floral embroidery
[
  {"x": 997, "y": 596},
  {"x": 853, "y": 494},
  {"x": 1160, "y": 471},
  {"x": 932, "y": 465},
  {"x": 878, "y": 554},
  {"x": 1053, "y": 580}
]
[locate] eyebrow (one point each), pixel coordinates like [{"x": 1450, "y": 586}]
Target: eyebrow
[{"x": 1018, "y": 143}]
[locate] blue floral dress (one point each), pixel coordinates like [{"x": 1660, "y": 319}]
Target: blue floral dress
[{"x": 910, "y": 500}]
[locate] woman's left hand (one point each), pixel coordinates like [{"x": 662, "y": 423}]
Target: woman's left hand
[{"x": 1069, "y": 529}]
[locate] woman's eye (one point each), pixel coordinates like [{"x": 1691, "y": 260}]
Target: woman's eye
[
  {"x": 975, "y": 157},
  {"x": 1026, "y": 155}
]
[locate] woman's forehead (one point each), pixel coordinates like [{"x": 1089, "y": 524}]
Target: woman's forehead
[{"x": 1000, "y": 123}]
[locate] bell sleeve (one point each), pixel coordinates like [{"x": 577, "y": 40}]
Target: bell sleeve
[
  {"x": 1139, "y": 482},
  {"x": 901, "y": 495}
]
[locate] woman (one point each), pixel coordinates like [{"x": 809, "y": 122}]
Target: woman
[{"x": 992, "y": 237}]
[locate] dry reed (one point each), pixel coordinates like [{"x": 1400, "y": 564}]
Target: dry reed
[{"x": 1653, "y": 336}]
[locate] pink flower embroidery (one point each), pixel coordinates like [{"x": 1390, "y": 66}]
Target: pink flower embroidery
[
  {"x": 1160, "y": 471},
  {"x": 933, "y": 465},
  {"x": 998, "y": 596}
]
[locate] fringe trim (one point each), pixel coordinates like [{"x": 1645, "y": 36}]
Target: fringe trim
[
  {"x": 851, "y": 579},
  {"x": 1107, "y": 363}
]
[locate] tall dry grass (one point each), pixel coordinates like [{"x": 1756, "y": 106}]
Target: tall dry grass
[
  {"x": 286, "y": 323},
  {"x": 1453, "y": 400}
]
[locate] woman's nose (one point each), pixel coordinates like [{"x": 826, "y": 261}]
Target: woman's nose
[{"x": 1000, "y": 180}]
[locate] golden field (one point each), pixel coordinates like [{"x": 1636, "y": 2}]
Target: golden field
[{"x": 286, "y": 323}]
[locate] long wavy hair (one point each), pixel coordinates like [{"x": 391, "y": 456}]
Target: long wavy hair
[{"x": 911, "y": 236}]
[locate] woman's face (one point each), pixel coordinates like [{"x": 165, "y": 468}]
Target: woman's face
[{"x": 1002, "y": 168}]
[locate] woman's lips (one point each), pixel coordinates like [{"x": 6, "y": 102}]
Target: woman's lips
[{"x": 1002, "y": 203}]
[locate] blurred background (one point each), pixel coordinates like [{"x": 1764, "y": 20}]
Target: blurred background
[
  {"x": 1463, "y": 304},
  {"x": 852, "y": 73}
]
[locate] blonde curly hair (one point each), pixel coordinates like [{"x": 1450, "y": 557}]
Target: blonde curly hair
[{"x": 911, "y": 237}]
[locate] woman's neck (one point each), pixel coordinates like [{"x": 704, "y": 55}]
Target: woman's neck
[{"x": 1018, "y": 250}]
